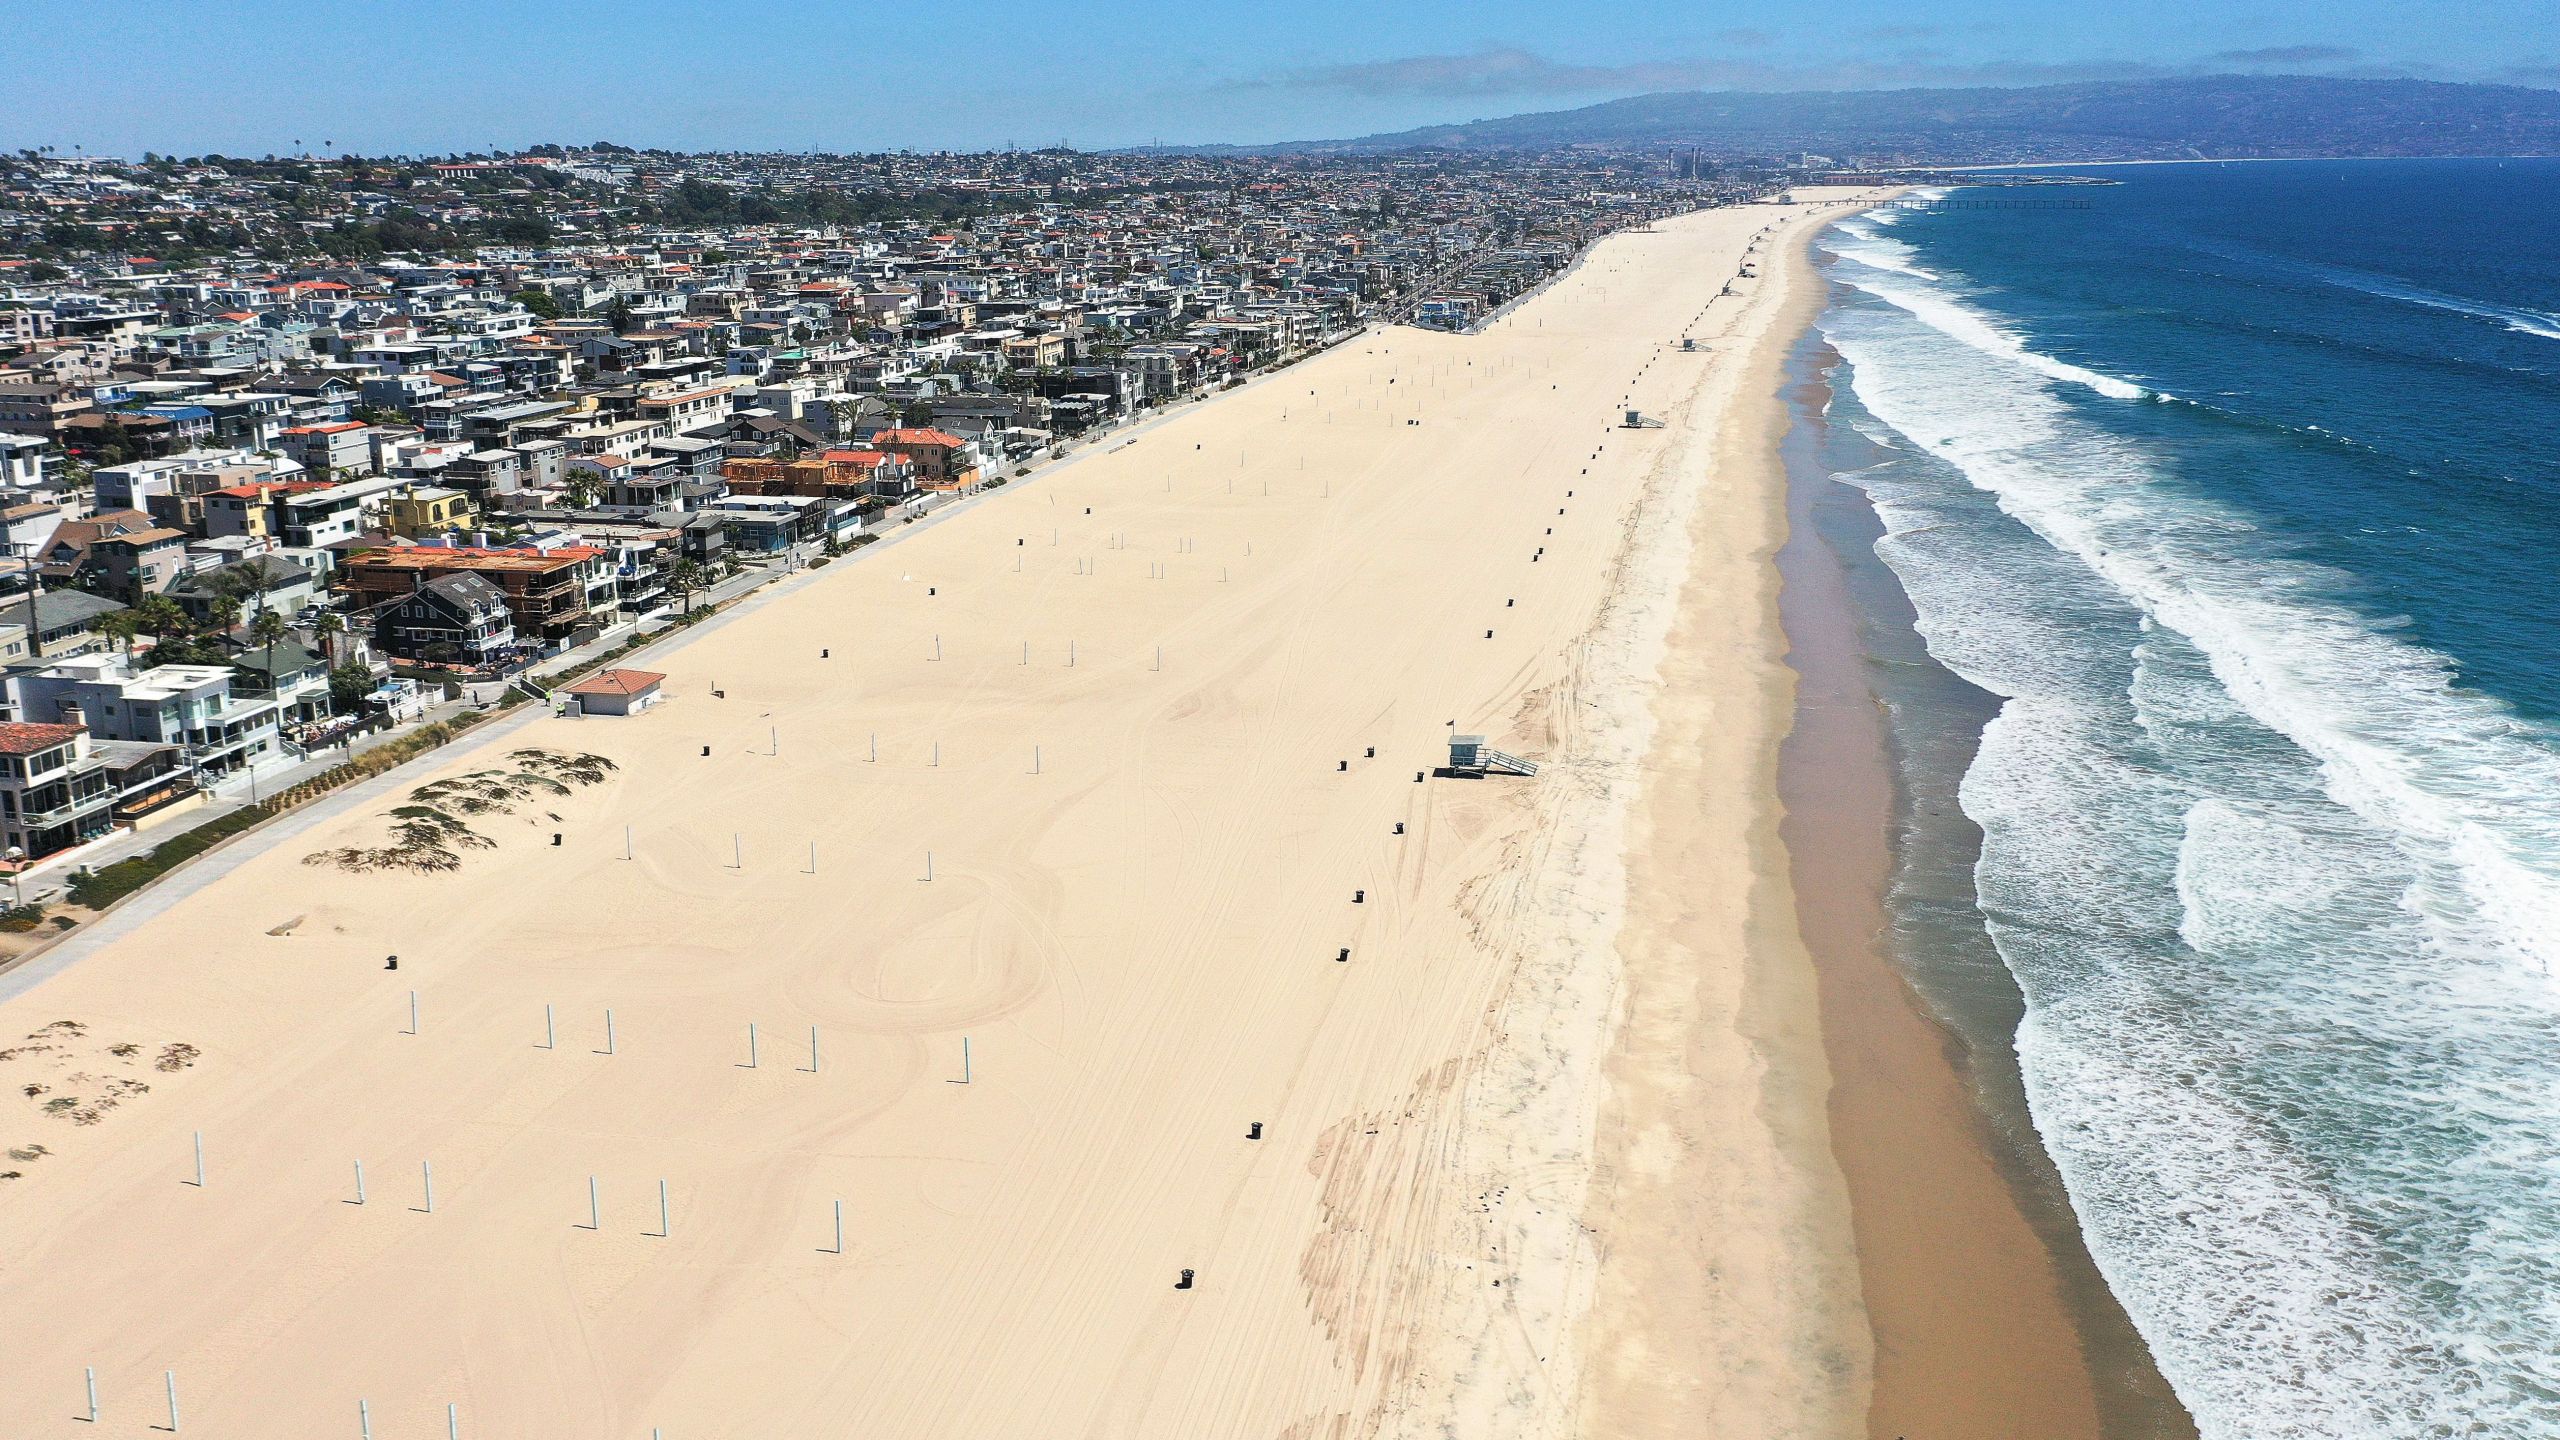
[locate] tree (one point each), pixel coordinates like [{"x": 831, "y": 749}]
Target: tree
[
  {"x": 540, "y": 302},
  {"x": 159, "y": 617},
  {"x": 349, "y": 684},
  {"x": 522, "y": 230},
  {"x": 584, "y": 488},
  {"x": 268, "y": 628},
  {"x": 618, "y": 315},
  {"x": 327, "y": 629},
  {"x": 686, "y": 578},
  {"x": 238, "y": 589},
  {"x": 121, "y": 626}
]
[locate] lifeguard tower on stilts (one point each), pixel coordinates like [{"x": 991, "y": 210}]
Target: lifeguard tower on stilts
[{"x": 1472, "y": 759}]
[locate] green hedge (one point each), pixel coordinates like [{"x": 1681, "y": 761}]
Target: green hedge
[{"x": 98, "y": 889}]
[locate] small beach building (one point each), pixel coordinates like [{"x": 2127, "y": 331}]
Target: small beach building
[{"x": 616, "y": 692}]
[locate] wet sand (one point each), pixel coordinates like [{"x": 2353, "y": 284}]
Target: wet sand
[{"x": 1989, "y": 1318}]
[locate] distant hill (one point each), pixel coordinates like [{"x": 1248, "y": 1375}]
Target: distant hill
[{"x": 2207, "y": 117}]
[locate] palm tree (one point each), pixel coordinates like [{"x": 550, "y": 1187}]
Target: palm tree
[
  {"x": 159, "y": 617},
  {"x": 266, "y": 629},
  {"x": 121, "y": 626},
  {"x": 328, "y": 628},
  {"x": 687, "y": 578}
]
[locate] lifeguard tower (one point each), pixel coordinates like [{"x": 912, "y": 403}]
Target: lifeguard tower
[{"x": 1470, "y": 757}]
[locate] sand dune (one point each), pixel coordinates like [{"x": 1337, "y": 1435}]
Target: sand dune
[{"x": 1114, "y": 707}]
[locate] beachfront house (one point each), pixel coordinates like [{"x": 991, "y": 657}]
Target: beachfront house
[
  {"x": 53, "y": 791},
  {"x": 457, "y": 619},
  {"x": 546, "y": 590},
  {"x": 193, "y": 707}
]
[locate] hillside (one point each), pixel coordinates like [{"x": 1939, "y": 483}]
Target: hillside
[{"x": 2205, "y": 117}]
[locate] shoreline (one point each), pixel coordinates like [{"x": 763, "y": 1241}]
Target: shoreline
[
  {"x": 1989, "y": 1314},
  {"x": 1727, "y": 1297}
]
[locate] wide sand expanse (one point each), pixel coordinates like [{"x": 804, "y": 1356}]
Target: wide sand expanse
[{"x": 1073, "y": 765}]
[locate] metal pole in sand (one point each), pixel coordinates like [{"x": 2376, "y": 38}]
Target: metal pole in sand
[
  {"x": 90, "y": 1372},
  {"x": 453, "y": 1422},
  {"x": 199, "y": 1160},
  {"x": 937, "y": 647},
  {"x": 813, "y": 1049},
  {"x": 875, "y": 745},
  {"x": 737, "y": 852},
  {"x": 427, "y": 1175},
  {"x": 839, "y": 1238},
  {"x": 928, "y": 865},
  {"x": 413, "y": 1014},
  {"x": 626, "y": 842},
  {"x": 937, "y": 754},
  {"x": 1160, "y": 649},
  {"x": 608, "y": 1033},
  {"x": 171, "y": 1377},
  {"x": 550, "y": 1030},
  {"x": 1071, "y": 654},
  {"x": 359, "y": 1182},
  {"x": 1035, "y": 759},
  {"x": 967, "y": 1073},
  {"x": 751, "y": 1045},
  {"x": 776, "y": 743},
  {"x": 595, "y": 1206},
  {"x": 364, "y": 1419},
  {"x": 664, "y": 1229},
  {"x": 813, "y": 857}
]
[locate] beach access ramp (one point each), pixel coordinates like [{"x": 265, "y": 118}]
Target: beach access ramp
[{"x": 1469, "y": 755}]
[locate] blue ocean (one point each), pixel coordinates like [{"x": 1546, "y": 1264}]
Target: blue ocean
[{"x": 2238, "y": 492}]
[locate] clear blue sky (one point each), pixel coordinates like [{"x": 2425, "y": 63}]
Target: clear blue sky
[{"x": 254, "y": 76}]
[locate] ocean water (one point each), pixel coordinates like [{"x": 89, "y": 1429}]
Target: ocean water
[{"x": 2239, "y": 493}]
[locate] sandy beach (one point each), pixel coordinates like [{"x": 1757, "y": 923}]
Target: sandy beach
[{"x": 1086, "y": 833}]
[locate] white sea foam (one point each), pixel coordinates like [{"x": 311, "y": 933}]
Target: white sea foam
[
  {"x": 2402, "y": 746},
  {"x": 1861, "y": 241},
  {"x": 2283, "y": 901},
  {"x": 1944, "y": 313},
  {"x": 2530, "y": 322}
]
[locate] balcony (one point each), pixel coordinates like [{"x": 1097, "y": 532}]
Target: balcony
[{"x": 67, "y": 811}]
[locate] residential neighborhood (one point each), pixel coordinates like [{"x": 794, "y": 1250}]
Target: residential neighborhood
[{"x": 288, "y": 439}]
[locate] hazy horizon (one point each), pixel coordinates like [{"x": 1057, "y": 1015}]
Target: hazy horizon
[{"x": 122, "y": 79}]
